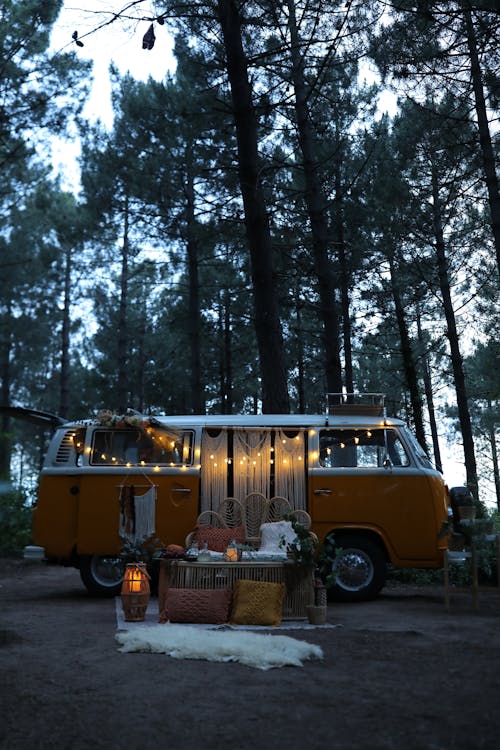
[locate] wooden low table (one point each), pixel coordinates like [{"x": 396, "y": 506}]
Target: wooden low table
[{"x": 299, "y": 582}]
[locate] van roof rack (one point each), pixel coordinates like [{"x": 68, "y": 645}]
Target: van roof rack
[{"x": 356, "y": 404}]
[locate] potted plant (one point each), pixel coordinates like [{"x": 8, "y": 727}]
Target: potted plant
[
  {"x": 303, "y": 549},
  {"x": 462, "y": 503}
]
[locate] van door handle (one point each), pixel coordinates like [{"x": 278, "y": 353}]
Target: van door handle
[
  {"x": 181, "y": 489},
  {"x": 322, "y": 491}
]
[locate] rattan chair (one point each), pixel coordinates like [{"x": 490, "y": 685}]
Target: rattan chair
[
  {"x": 278, "y": 507},
  {"x": 232, "y": 512},
  {"x": 256, "y": 510}
]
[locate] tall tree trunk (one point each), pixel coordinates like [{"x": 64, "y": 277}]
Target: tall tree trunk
[
  {"x": 408, "y": 358},
  {"x": 489, "y": 165},
  {"x": 65, "y": 338},
  {"x": 344, "y": 275},
  {"x": 300, "y": 357},
  {"x": 5, "y": 365},
  {"x": 194, "y": 314},
  {"x": 225, "y": 354},
  {"x": 429, "y": 397},
  {"x": 494, "y": 452},
  {"x": 228, "y": 355},
  {"x": 267, "y": 322},
  {"x": 317, "y": 211},
  {"x": 452, "y": 334},
  {"x": 122, "y": 354}
]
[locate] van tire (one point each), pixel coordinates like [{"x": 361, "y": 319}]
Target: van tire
[
  {"x": 360, "y": 566},
  {"x": 102, "y": 575}
]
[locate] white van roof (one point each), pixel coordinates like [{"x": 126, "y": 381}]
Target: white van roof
[{"x": 291, "y": 421}]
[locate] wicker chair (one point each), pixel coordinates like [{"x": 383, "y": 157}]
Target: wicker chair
[
  {"x": 256, "y": 510},
  {"x": 232, "y": 512},
  {"x": 278, "y": 507}
]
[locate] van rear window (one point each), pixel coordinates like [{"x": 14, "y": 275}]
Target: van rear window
[
  {"x": 361, "y": 448},
  {"x": 142, "y": 447}
]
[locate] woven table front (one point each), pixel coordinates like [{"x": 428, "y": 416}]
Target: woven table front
[{"x": 299, "y": 582}]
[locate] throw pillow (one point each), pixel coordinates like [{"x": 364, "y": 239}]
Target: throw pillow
[
  {"x": 196, "y": 605},
  {"x": 273, "y": 533},
  {"x": 218, "y": 539},
  {"x": 257, "y": 603}
]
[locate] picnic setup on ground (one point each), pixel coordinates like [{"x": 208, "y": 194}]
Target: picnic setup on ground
[
  {"x": 219, "y": 579},
  {"x": 226, "y": 574}
]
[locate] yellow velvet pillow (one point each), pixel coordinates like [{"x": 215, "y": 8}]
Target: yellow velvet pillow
[{"x": 257, "y": 603}]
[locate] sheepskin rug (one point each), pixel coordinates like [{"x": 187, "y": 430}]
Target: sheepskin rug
[{"x": 259, "y": 650}]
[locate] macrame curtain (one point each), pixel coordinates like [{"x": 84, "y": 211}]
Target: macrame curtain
[
  {"x": 289, "y": 469},
  {"x": 214, "y": 455},
  {"x": 137, "y": 513},
  {"x": 251, "y": 462}
]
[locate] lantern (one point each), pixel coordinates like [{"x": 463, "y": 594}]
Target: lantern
[
  {"x": 232, "y": 552},
  {"x": 135, "y": 592}
]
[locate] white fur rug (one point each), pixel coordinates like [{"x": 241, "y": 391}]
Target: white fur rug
[{"x": 262, "y": 651}]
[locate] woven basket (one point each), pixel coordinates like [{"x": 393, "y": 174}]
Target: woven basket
[
  {"x": 456, "y": 542},
  {"x": 466, "y": 512},
  {"x": 134, "y": 606},
  {"x": 316, "y": 615}
]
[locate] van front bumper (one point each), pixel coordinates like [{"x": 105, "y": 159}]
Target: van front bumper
[{"x": 34, "y": 553}]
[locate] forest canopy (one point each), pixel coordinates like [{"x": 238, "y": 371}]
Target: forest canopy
[{"x": 251, "y": 232}]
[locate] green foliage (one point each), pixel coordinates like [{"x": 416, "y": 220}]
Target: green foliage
[
  {"x": 15, "y": 523},
  {"x": 303, "y": 550}
]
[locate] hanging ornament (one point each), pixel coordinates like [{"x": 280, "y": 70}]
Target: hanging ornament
[{"x": 148, "y": 40}]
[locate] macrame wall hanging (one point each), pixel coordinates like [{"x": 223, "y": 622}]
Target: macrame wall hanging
[
  {"x": 289, "y": 468},
  {"x": 137, "y": 511},
  {"x": 214, "y": 454},
  {"x": 251, "y": 462}
]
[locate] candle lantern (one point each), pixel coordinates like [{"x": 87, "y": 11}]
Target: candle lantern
[
  {"x": 232, "y": 553},
  {"x": 135, "y": 592}
]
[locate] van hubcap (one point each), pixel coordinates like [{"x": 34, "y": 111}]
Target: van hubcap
[{"x": 353, "y": 569}]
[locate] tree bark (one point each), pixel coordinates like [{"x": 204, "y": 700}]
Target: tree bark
[
  {"x": 344, "y": 276},
  {"x": 488, "y": 155},
  {"x": 6, "y": 343},
  {"x": 194, "y": 314},
  {"x": 65, "y": 338},
  {"x": 266, "y": 314},
  {"x": 452, "y": 335},
  {"x": 122, "y": 354},
  {"x": 317, "y": 210},
  {"x": 408, "y": 358},
  {"x": 429, "y": 396},
  {"x": 494, "y": 453}
]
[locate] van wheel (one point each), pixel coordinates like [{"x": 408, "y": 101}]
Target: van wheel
[
  {"x": 360, "y": 568},
  {"x": 102, "y": 575}
]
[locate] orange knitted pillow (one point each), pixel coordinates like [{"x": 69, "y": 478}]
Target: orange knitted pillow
[
  {"x": 218, "y": 539},
  {"x": 196, "y": 605}
]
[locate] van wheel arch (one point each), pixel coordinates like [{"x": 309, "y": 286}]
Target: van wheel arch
[{"x": 359, "y": 560}]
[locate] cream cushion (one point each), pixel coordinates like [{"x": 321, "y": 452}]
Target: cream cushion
[{"x": 272, "y": 533}]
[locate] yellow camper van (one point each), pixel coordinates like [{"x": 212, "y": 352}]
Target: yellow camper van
[{"x": 360, "y": 475}]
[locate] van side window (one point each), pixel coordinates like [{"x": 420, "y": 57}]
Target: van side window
[
  {"x": 149, "y": 447},
  {"x": 361, "y": 448}
]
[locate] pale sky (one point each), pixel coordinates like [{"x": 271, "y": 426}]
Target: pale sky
[{"x": 119, "y": 42}]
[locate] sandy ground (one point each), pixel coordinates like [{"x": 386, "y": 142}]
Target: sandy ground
[{"x": 400, "y": 672}]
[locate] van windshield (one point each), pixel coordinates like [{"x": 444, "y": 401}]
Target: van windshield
[
  {"x": 361, "y": 448},
  {"x": 141, "y": 447}
]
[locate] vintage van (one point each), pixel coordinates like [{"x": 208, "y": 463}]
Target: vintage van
[{"x": 361, "y": 476}]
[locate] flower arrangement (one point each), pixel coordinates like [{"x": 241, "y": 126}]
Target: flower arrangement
[{"x": 110, "y": 419}]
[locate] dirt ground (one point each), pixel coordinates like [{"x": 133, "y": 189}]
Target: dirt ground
[{"x": 399, "y": 672}]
